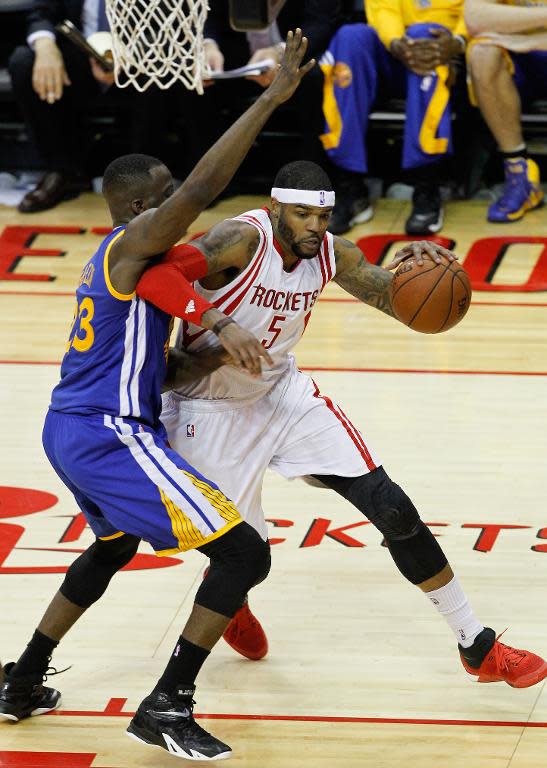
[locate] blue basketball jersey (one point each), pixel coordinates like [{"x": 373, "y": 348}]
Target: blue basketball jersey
[{"x": 116, "y": 354}]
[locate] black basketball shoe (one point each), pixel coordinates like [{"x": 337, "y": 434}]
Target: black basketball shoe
[
  {"x": 22, "y": 697},
  {"x": 352, "y": 203},
  {"x": 167, "y": 721},
  {"x": 426, "y": 217}
]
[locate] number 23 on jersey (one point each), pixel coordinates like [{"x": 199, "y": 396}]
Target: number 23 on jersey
[{"x": 82, "y": 335}]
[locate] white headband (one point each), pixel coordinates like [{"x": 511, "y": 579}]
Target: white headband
[{"x": 319, "y": 198}]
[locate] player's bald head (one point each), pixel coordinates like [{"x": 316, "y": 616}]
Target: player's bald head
[{"x": 132, "y": 178}]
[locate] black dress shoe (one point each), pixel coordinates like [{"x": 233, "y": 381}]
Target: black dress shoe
[{"x": 52, "y": 189}]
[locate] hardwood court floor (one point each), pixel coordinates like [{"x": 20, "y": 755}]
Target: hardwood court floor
[{"x": 361, "y": 670}]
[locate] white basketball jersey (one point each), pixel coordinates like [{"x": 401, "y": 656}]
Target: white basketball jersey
[{"x": 273, "y": 304}]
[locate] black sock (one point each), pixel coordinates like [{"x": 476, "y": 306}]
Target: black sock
[
  {"x": 183, "y": 667},
  {"x": 515, "y": 154},
  {"x": 482, "y": 644},
  {"x": 36, "y": 656}
]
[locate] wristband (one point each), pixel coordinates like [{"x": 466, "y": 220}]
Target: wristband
[{"x": 222, "y": 323}]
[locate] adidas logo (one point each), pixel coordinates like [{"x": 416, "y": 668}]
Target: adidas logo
[{"x": 190, "y": 307}]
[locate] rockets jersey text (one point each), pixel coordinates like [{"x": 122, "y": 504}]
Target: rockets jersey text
[
  {"x": 273, "y": 304},
  {"x": 115, "y": 360}
]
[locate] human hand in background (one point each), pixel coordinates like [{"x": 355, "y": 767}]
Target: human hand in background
[
  {"x": 214, "y": 59},
  {"x": 107, "y": 78},
  {"x": 49, "y": 76}
]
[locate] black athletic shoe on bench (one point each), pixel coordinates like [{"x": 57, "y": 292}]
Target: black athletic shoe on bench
[
  {"x": 22, "y": 697},
  {"x": 167, "y": 721},
  {"x": 426, "y": 217}
]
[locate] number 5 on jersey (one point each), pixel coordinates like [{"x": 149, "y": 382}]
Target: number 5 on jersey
[
  {"x": 82, "y": 335},
  {"x": 275, "y": 330}
]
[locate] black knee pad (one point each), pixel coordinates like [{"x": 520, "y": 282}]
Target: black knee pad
[
  {"x": 414, "y": 549},
  {"x": 420, "y": 557},
  {"x": 89, "y": 575},
  {"x": 240, "y": 559},
  {"x": 385, "y": 504}
]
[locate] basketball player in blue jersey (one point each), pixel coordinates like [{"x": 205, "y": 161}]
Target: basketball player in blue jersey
[{"x": 103, "y": 436}]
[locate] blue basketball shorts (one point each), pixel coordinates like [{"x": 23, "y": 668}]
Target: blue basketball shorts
[{"x": 126, "y": 479}]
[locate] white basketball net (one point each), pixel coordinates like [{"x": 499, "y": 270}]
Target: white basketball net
[{"x": 158, "y": 41}]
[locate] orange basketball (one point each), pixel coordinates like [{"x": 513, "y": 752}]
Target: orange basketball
[{"x": 431, "y": 298}]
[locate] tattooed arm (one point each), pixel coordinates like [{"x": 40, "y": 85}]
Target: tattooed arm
[
  {"x": 228, "y": 247},
  {"x": 368, "y": 283}
]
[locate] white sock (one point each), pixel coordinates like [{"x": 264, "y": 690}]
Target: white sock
[{"x": 452, "y": 603}]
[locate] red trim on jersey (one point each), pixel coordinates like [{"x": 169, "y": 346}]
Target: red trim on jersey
[
  {"x": 327, "y": 258},
  {"x": 244, "y": 283},
  {"x": 348, "y": 426},
  {"x": 321, "y": 256},
  {"x": 279, "y": 250},
  {"x": 243, "y": 277},
  {"x": 189, "y": 338},
  {"x": 247, "y": 283}
]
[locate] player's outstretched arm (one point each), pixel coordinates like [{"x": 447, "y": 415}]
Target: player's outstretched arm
[
  {"x": 156, "y": 230},
  {"x": 166, "y": 285}
]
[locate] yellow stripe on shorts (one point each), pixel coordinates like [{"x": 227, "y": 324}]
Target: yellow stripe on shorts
[
  {"x": 185, "y": 532},
  {"x": 225, "y": 508}
]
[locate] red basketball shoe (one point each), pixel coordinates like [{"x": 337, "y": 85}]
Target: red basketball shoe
[
  {"x": 489, "y": 661},
  {"x": 245, "y": 634}
]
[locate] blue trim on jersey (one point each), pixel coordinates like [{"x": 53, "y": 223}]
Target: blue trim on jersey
[{"x": 171, "y": 480}]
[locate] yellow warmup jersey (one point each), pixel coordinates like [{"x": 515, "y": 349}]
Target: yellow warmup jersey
[{"x": 390, "y": 18}]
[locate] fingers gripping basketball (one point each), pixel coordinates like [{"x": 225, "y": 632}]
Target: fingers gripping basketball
[{"x": 430, "y": 298}]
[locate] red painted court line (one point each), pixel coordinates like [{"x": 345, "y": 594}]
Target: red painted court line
[
  {"x": 438, "y": 371},
  {"x": 37, "y": 293},
  {"x": 422, "y": 370},
  {"x": 323, "y": 719},
  {"x": 322, "y": 300},
  {"x": 335, "y": 300},
  {"x": 30, "y": 362}
]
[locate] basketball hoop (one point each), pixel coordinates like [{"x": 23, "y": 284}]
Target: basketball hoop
[{"x": 158, "y": 42}]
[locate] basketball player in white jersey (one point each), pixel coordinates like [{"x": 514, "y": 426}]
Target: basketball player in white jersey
[{"x": 266, "y": 269}]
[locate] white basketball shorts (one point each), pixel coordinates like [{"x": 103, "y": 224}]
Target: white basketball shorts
[{"x": 293, "y": 429}]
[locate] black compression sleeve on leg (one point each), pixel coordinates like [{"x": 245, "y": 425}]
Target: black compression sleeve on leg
[
  {"x": 89, "y": 575},
  {"x": 240, "y": 559},
  {"x": 414, "y": 549},
  {"x": 420, "y": 557}
]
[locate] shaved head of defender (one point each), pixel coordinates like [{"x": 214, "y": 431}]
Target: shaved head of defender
[
  {"x": 302, "y": 202},
  {"x": 135, "y": 183}
]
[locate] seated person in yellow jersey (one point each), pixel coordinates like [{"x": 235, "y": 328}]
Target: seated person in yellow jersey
[
  {"x": 508, "y": 64},
  {"x": 405, "y": 50}
]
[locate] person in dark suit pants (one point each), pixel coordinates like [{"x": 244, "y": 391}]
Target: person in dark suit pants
[{"x": 54, "y": 82}]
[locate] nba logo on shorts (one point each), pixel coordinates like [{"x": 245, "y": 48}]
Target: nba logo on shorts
[
  {"x": 190, "y": 430},
  {"x": 322, "y": 197}
]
